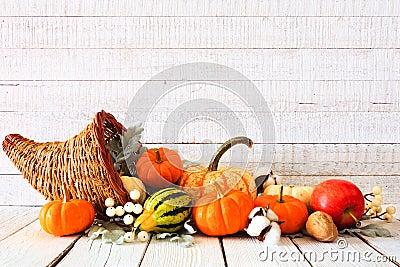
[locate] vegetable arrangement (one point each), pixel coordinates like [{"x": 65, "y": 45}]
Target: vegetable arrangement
[{"x": 166, "y": 199}]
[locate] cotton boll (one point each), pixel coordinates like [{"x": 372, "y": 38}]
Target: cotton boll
[
  {"x": 257, "y": 211},
  {"x": 273, "y": 236},
  {"x": 257, "y": 225},
  {"x": 272, "y": 215}
]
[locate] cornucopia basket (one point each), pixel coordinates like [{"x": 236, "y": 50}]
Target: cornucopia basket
[{"x": 81, "y": 165}]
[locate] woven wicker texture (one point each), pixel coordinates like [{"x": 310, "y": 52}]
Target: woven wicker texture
[{"x": 82, "y": 164}]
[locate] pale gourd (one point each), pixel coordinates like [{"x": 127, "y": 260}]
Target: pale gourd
[
  {"x": 302, "y": 193},
  {"x": 131, "y": 183}
]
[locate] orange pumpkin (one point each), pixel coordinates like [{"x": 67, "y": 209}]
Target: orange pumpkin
[
  {"x": 216, "y": 214},
  {"x": 196, "y": 181},
  {"x": 66, "y": 217},
  {"x": 302, "y": 193},
  {"x": 291, "y": 211},
  {"x": 158, "y": 167}
]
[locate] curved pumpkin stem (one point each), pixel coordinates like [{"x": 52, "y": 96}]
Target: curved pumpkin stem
[{"x": 225, "y": 146}]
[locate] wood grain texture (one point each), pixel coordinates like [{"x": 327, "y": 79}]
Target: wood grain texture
[
  {"x": 199, "y": 8},
  {"x": 386, "y": 246},
  {"x": 13, "y": 219},
  {"x": 206, "y": 252},
  {"x": 215, "y": 126},
  {"x": 36, "y": 247},
  {"x": 255, "y": 64},
  {"x": 281, "y": 96},
  {"x": 248, "y": 251},
  {"x": 349, "y": 251},
  {"x": 88, "y": 252},
  {"x": 191, "y": 32}
]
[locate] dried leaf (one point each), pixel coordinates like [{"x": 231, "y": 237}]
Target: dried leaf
[
  {"x": 132, "y": 133},
  {"x": 184, "y": 241},
  {"x": 190, "y": 227},
  {"x": 370, "y": 230},
  {"x": 109, "y": 233},
  {"x": 165, "y": 235}
]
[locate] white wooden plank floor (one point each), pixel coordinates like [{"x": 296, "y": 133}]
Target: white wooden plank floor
[{"x": 24, "y": 243}]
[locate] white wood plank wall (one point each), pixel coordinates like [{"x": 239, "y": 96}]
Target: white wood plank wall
[{"x": 329, "y": 70}]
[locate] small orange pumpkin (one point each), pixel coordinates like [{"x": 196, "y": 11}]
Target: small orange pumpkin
[
  {"x": 216, "y": 214},
  {"x": 302, "y": 193},
  {"x": 196, "y": 181},
  {"x": 158, "y": 167},
  {"x": 66, "y": 217},
  {"x": 290, "y": 210}
]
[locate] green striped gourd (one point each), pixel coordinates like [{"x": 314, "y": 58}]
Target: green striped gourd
[{"x": 165, "y": 211}]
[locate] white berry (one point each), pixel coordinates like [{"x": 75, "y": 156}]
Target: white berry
[
  {"x": 376, "y": 190},
  {"x": 110, "y": 211},
  {"x": 388, "y": 217},
  {"x": 128, "y": 207},
  {"x": 109, "y": 202},
  {"x": 129, "y": 237},
  {"x": 134, "y": 194},
  {"x": 143, "y": 236},
  {"x": 391, "y": 210},
  {"x": 119, "y": 211},
  {"x": 128, "y": 219},
  {"x": 379, "y": 197},
  {"x": 137, "y": 208},
  {"x": 376, "y": 203}
]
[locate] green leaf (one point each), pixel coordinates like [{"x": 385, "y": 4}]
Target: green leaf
[
  {"x": 132, "y": 133},
  {"x": 370, "y": 230},
  {"x": 370, "y": 233}
]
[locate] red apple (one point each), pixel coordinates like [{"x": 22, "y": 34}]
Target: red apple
[{"x": 341, "y": 199}]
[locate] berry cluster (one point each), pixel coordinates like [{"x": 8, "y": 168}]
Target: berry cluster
[
  {"x": 373, "y": 207},
  {"x": 127, "y": 214}
]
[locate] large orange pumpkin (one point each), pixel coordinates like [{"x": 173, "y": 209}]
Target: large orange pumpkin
[
  {"x": 66, "y": 217},
  {"x": 158, "y": 167},
  {"x": 216, "y": 214},
  {"x": 196, "y": 181},
  {"x": 290, "y": 210}
]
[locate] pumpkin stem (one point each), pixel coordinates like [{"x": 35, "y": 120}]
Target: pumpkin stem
[
  {"x": 225, "y": 146},
  {"x": 65, "y": 193},
  {"x": 280, "y": 200},
  {"x": 158, "y": 156}
]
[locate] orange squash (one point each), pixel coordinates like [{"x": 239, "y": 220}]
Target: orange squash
[
  {"x": 290, "y": 210},
  {"x": 196, "y": 181},
  {"x": 159, "y": 167},
  {"x": 216, "y": 214},
  {"x": 66, "y": 217}
]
